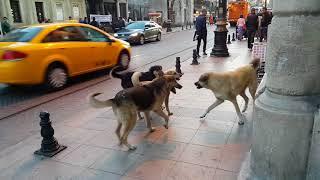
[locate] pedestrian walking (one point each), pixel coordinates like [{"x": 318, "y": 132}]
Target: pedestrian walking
[
  {"x": 251, "y": 26},
  {"x": 122, "y": 23},
  {"x": 265, "y": 21},
  {"x": 94, "y": 22},
  {"x": 241, "y": 27},
  {"x": 211, "y": 20},
  {"x": 5, "y": 26},
  {"x": 201, "y": 30},
  {"x": 85, "y": 20}
]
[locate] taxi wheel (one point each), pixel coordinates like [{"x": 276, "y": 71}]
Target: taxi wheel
[
  {"x": 124, "y": 60},
  {"x": 158, "y": 37},
  {"x": 142, "y": 40},
  {"x": 56, "y": 77}
]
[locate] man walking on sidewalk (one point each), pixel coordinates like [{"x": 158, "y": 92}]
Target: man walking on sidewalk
[
  {"x": 265, "y": 21},
  {"x": 201, "y": 30},
  {"x": 252, "y": 26}
]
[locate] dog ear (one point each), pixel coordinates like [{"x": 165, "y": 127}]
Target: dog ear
[{"x": 204, "y": 78}]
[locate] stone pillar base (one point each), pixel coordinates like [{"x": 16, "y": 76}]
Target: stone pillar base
[{"x": 282, "y": 127}]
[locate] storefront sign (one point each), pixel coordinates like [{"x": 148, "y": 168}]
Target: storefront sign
[{"x": 101, "y": 18}]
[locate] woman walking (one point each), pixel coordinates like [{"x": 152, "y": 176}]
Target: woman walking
[{"x": 241, "y": 25}]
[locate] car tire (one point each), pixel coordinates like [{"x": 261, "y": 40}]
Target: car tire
[
  {"x": 142, "y": 40},
  {"x": 124, "y": 60},
  {"x": 158, "y": 37},
  {"x": 56, "y": 77}
]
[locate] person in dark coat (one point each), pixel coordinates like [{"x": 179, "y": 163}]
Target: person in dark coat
[
  {"x": 5, "y": 25},
  {"x": 94, "y": 22},
  {"x": 265, "y": 21},
  {"x": 201, "y": 31},
  {"x": 252, "y": 23}
]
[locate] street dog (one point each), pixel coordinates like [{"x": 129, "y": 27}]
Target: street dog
[
  {"x": 228, "y": 85},
  {"x": 173, "y": 73},
  {"x": 128, "y": 102},
  {"x": 128, "y": 79}
]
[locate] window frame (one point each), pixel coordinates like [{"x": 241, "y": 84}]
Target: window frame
[{"x": 64, "y": 41}]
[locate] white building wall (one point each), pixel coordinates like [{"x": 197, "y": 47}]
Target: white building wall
[{"x": 28, "y": 10}]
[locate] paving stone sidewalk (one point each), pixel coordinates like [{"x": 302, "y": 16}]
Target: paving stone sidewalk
[{"x": 213, "y": 148}]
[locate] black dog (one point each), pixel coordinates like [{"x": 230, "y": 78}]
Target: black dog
[{"x": 130, "y": 79}]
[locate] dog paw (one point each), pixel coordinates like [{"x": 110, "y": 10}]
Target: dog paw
[
  {"x": 166, "y": 126},
  {"x": 241, "y": 123},
  {"x": 132, "y": 148},
  {"x": 151, "y": 130}
]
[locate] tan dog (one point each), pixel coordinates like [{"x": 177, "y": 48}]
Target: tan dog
[
  {"x": 128, "y": 102},
  {"x": 228, "y": 85}
]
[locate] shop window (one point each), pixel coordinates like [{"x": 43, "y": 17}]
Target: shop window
[{"x": 15, "y": 8}]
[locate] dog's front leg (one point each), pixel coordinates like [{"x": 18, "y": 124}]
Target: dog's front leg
[
  {"x": 162, "y": 114},
  {"x": 139, "y": 116},
  {"x": 215, "y": 104},
  {"x": 166, "y": 103},
  {"x": 240, "y": 116},
  {"x": 148, "y": 121}
]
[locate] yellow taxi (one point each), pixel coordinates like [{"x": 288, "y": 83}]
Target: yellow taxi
[{"x": 52, "y": 53}]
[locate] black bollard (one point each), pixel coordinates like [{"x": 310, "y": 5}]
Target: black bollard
[
  {"x": 49, "y": 144},
  {"x": 169, "y": 26},
  {"x": 195, "y": 58},
  {"x": 229, "y": 42},
  {"x": 178, "y": 66},
  {"x": 233, "y": 37}
]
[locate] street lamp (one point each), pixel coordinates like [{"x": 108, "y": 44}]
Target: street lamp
[{"x": 220, "y": 34}]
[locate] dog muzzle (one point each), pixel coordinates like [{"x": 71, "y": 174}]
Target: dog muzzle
[
  {"x": 197, "y": 84},
  {"x": 173, "y": 90},
  {"x": 179, "y": 86}
]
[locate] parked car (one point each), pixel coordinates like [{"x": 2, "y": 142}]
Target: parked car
[
  {"x": 52, "y": 53},
  {"x": 140, "y": 32}
]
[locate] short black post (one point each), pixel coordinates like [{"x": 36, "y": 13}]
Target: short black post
[
  {"x": 233, "y": 37},
  {"x": 229, "y": 42},
  {"x": 182, "y": 27},
  {"x": 169, "y": 26},
  {"x": 49, "y": 144},
  {"x": 195, "y": 58},
  {"x": 190, "y": 26},
  {"x": 178, "y": 66}
]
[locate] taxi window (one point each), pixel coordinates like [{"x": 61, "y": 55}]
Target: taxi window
[
  {"x": 66, "y": 34},
  {"x": 93, "y": 35},
  {"x": 25, "y": 34}
]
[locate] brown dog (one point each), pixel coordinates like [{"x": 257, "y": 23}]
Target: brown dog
[
  {"x": 128, "y": 102},
  {"x": 228, "y": 85}
]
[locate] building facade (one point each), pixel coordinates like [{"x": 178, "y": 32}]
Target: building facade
[
  {"x": 178, "y": 11},
  {"x": 116, "y": 8},
  {"x": 22, "y": 12}
]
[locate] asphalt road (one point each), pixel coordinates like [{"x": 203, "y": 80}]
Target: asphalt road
[{"x": 172, "y": 45}]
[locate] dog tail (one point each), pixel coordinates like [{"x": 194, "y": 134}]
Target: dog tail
[
  {"x": 113, "y": 73},
  {"x": 255, "y": 63},
  {"x": 98, "y": 103}
]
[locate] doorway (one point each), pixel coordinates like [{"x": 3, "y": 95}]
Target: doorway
[{"x": 39, "y": 11}]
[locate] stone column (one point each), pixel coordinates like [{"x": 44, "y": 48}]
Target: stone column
[
  {"x": 118, "y": 8},
  {"x": 284, "y": 114}
]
